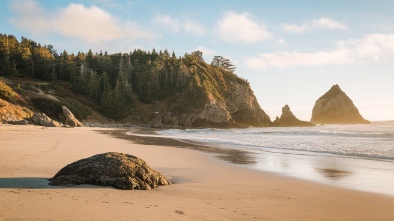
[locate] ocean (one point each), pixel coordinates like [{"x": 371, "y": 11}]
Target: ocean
[{"x": 358, "y": 157}]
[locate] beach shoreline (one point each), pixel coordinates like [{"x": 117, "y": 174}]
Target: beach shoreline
[{"x": 203, "y": 189}]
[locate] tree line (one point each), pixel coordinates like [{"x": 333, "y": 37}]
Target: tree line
[{"x": 117, "y": 82}]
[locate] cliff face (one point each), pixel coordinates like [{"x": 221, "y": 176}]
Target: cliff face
[
  {"x": 287, "y": 119},
  {"x": 335, "y": 107},
  {"x": 234, "y": 105},
  {"x": 238, "y": 109}
]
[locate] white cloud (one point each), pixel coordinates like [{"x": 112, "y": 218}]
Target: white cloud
[
  {"x": 282, "y": 42},
  {"x": 242, "y": 27},
  {"x": 90, "y": 24},
  {"x": 321, "y": 23},
  {"x": 373, "y": 47},
  {"x": 194, "y": 27},
  {"x": 31, "y": 16},
  {"x": 177, "y": 25},
  {"x": 206, "y": 51}
]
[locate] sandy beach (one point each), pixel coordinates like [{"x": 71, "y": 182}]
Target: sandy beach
[{"x": 203, "y": 188}]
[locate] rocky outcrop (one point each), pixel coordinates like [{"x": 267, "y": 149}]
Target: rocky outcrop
[
  {"x": 122, "y": 171},
  {"x": 238, "y": 109},
  {"x": 335, "y": 107},
  {"x": 44, "y": 120},
  {"x": 244, "y": 108},
  {"x": 213, "y": 115},
  {"x": 287, "y": 119},
  {"x": 156, "y": 122},
  {"x": 70, "y": 119}
]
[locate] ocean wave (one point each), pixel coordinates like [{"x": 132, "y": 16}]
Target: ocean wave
[{"x": 371, "y": 141}]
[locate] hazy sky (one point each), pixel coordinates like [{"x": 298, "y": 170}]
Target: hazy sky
[{"x": 292, "y": 52}]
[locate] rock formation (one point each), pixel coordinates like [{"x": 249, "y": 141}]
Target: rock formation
[
  {"x": 237, "y": 107},
  {"x": 70, "y": 119},
  {"x": 244, "y": 108},
  {"x": 287, "y": 119},
  {"x": 335, "y": 107},
  {"x": 44, "y": 120},
  {"x": 122, "y": 171}
]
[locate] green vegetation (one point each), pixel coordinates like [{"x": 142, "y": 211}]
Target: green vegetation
[{"x": 116, "y": 84}]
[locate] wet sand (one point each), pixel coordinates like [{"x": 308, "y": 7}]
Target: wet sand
[
  {"x": 227, "y": 154},
  {"x": 204, "y": 188}
]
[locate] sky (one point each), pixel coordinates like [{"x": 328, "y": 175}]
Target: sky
[{"x": 291, "y": 52}]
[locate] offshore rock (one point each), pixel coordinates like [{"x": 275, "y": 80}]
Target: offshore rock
[
  {"x": 335, "y": 107},
  {"x": 122, "y": 171},
  {"x": 70, "y": 119},
  {"x": 287, "y": 119}
]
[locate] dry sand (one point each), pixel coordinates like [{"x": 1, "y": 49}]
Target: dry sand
[{"x": 204, "y": 188}]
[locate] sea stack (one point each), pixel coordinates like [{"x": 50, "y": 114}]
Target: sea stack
[
  {"x": 287, "y": 119},
  {"x": 335, "y": 107}
]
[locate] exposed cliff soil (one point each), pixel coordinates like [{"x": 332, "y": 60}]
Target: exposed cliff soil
[{"x": 335, "y": 107}]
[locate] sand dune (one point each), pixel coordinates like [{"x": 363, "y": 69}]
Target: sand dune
[{"x": 203, "y": 187}]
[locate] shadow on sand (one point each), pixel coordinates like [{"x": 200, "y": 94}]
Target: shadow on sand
[
  {"x": 24, "y": 182},
  {"x": 36, "y": 183}
]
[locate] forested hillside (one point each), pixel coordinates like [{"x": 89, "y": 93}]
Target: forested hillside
[{"x": 141, "y": 85}]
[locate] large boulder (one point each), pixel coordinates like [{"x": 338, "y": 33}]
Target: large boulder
[
  {"x": 335, "y": 107},
  {"x": 44, "y": 120},
  {"x": 287, "y": 119},
  {"x": 122, "y": 171},
  {"x": 70, "y": 120}
]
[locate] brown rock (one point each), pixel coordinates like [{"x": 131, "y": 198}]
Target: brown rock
[
  {"x": 243, "y": 106},
  {"x": 335, "y": 107},
  {"x": 287, "y": 119},
  {"x": 122, "y": 171},
  {"x": 188, "y": 123},
  {"x": 44, "y": 120},
  {"x": 156, "y": 122},
  {"x": 70, "y": 119}
]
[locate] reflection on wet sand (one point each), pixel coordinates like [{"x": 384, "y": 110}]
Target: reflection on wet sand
[
  {"x": 226, "y": 154},
  {"x": 334, "y": 174}
]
